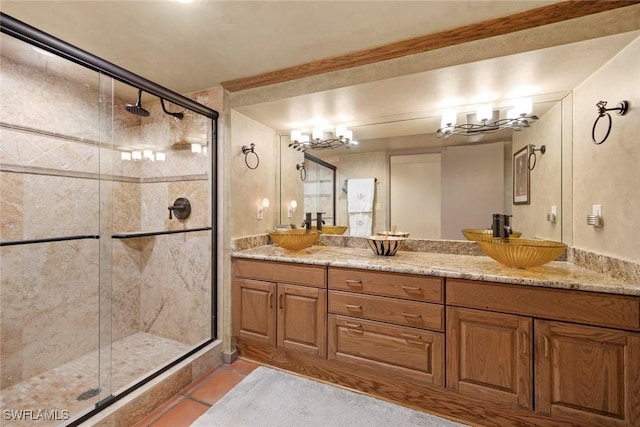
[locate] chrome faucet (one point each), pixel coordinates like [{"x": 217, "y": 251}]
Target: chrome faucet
[{"x": 500, "y": 226}]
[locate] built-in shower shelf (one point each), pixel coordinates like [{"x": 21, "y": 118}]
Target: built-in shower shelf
[{"x": 135, "y": 235}]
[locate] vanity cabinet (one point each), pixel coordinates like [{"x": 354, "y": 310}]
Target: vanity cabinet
[
  {"x": 280, "y": 304},
  {"x": 489, "y": 355},
  {"x": 387, "y": 321},
  {"x": 580, "y": 349},
  {"x": 588, "y": 374}
]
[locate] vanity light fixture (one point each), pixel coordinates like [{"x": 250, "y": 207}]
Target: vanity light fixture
[
  {"x": 262, "y": 208},
  {"x": 487, "y": 120},
  {"x": 140, "y": 155},
  {"x": 321, "y": 139}
]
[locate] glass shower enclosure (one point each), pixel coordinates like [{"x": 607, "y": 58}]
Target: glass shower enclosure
[{"x": 106, "y": 242}]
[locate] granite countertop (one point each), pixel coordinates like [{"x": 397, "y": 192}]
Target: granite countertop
[{"x": 556, "y": 274}]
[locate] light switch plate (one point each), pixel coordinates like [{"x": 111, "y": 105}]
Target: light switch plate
[{"x": 260, "y": 213}]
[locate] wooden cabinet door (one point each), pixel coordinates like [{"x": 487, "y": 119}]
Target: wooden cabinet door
[
  {"x": 489, "y": 355},
  {"x": 254, "y": 310},
  {"x": 587, "y": 373},
  {"x": 302, "y": 317}
]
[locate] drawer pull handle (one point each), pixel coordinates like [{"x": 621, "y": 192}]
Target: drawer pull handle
[
  {"x": 281, "y": 301},
  {"x": 270, "y": 300},
  {"x": 410, "y": 288},
  {"x": 352, "y": 325},
  {"x": 353, "y": 307},
  {"x": 353, "y": 282},
  {"x": 411, "y": 336},
  {"x": 411, "y": 316}
]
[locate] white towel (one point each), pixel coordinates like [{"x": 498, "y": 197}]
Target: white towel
[
  {"x": 360, "y": 193},
  {"x": 360, "y": 224}
]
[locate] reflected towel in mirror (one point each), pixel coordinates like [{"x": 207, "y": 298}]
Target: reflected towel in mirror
[
  {"x": 360, "y": 194},
  {"x": 360, "y": 224}
]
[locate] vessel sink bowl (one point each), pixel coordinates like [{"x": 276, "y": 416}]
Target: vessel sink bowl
[
  {"x": 334, "y": 229},
  {"x": 294, "y": 240},
  {"x": 384, "y": 245},
  {"x": 476, "y": 234},
  {"x": 522, "y": 253}
]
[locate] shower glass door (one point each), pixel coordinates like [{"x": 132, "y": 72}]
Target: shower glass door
[
  {"x": 105, "y": 278},
  {"x": 51, "y": 125}
]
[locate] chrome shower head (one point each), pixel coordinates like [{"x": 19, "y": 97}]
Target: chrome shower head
[{"x": 137, "y": 107}]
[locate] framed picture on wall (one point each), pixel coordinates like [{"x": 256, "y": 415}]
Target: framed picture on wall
[{"x": 521, "y": 177}]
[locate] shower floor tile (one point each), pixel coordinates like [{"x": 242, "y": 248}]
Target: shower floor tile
[{"x": 50, "y": 398}]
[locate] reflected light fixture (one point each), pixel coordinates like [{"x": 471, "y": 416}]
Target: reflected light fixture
[
  {"x": 317, "y": 140},
  {"x": 488, "y": 121}
]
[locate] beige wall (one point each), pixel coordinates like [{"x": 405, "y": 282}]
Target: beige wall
[
  {"x": 609, "y": 174},
  {"x": 545, "y": 179},
  {"x": 249, "y": 187}
]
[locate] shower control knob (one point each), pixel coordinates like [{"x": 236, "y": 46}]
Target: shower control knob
[{"x": 181, "y": 208}]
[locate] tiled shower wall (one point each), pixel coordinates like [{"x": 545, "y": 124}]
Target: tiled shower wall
[{"x": 58, "y": 177}]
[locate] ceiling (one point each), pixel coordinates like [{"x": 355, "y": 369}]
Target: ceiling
[{"x": 190, "y": 47}]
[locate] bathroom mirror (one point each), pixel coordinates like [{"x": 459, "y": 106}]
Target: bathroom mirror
[{"x": 434, "y": 188}]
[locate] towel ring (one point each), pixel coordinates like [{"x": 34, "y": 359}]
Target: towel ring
[
  {"x": 250, "y": 150},
  {"x": 303, "y": 171},
  {"x": 621, "y": 110},
  {"x": 532, "y": 153}
]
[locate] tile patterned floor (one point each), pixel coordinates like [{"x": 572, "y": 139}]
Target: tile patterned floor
[
  {"x": 185, "y": 407},
  {"x": 59, "y": 388}
]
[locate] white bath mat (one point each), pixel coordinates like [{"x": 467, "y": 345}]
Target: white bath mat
[{"x": 271, "y": 398}]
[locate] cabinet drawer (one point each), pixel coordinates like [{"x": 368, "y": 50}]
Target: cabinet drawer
[
  {"x": 285, "y": 272},
  {"x": 401, "y": 312},
  {"x": 419, "y": 288},
  {"x": 574, "y": 306},
  {"x": 409, "y": 352}
]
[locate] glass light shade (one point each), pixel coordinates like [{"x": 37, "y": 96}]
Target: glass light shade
[
  {"x": 196, "y": 148},
  {"x": 125, "y": 155},
  {"x": 147, "y": 154},
  {"x": 293, "y": 204},
  {"x": 512, "y": 114},
  {"x": 318, "y": 133},
  {"x": 523, "y": 106},
  {"x": 204, "y": 150},
  {"x": 265, "y": 203},
  {"x": 341, "y": 131},
  {"x": 296, "y": 135},
  {"x": 348, "y": 135},
  {"x": 160, "y": 157},
  {"x": 448, "y": 119},
  {"x": 484, "y": 112},
  {"x": 136, "y": 155}
]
